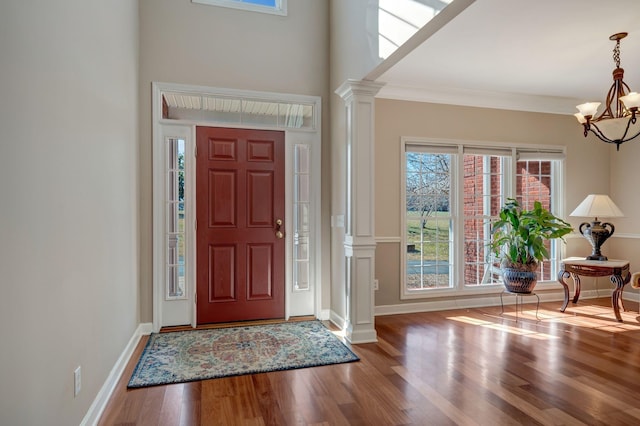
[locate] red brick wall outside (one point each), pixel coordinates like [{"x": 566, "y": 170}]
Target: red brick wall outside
[
  {"x": 474, "y": 234},
  {"x": 533, "y": 183}
]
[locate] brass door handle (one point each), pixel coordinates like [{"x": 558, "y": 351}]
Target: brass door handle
[{"x": 279, "y": 233}]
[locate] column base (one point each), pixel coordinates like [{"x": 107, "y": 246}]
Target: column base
[{"x": 365, "y": 333}]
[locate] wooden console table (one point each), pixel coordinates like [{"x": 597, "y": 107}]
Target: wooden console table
[{"x": 574, "y": 267}]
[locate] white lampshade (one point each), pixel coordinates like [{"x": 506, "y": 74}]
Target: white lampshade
[
  {"x": 614, "y": 128},
  {"x": 632, "y": 100},
  {"x": 580, "y": 118},
  {"x": 597, "y": 205},
  {"x": 588, "y": 109}
]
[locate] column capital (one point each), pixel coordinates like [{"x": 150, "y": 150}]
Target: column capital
[{"x": 352, "y": 88}]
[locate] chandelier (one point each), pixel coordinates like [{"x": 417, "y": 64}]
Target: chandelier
[{"x": 617, "y": 123}]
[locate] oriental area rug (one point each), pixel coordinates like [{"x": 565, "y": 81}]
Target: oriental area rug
[{"x": 185, "y": 356}]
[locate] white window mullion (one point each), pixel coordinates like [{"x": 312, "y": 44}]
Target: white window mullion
[{"x": 458, "y": 231}]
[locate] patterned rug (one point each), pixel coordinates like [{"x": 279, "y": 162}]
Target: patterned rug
[{"x": 185, "y": 356}]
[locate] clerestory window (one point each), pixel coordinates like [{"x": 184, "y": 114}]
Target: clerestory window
[{"x": 277, "y": 7}]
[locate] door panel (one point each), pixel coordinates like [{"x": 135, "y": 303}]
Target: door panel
[
  {"x": 259, "y": 273},
  {"x": 240, "y": 198},
  {"x": 220, "y": 149},
  {"x": 222, "y": 198},
  {"x": 222, "y": 263},
  {"x": 260, "y": 196}
]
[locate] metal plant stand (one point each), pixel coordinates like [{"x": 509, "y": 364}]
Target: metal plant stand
[{"x": 519, "y": 296}]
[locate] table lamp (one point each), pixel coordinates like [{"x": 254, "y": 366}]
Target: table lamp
[{"x": 598, "y": 206}]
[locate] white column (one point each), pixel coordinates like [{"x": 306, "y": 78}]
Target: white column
[{"x": 359, "y": 240}]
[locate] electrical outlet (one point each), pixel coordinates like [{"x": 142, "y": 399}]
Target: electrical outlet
[
  {"x": 77, "y": 381},
  {"x": 376, "y": 285}
]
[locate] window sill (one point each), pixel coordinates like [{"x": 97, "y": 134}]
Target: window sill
[{"x": 448, "y": 292}]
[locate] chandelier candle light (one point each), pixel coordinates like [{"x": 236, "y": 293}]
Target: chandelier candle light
[
  {"x": 617, "y": 123},
  {"x": 598, "y": 206}
]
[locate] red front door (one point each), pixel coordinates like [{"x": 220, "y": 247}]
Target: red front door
[{"x": 240, "y": 224}]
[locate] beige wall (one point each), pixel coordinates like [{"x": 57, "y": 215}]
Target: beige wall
[
  {"x": 587, "y": 165},
  {"x": 625, "y": 177},
  {"x": 624, "y": 191},
  {"x": 182, "y": 42},
  {"x": 354, "y": 52},
  {"x": 354, "y": 39},
  {"x": 68, "y": 167}
]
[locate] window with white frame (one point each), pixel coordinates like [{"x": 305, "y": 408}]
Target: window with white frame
[
  {"x": 175, "y": 217},
  {"x": 452, "y": 194},
  {"x": 277, "y": 7},
  {"x": 428, "y": 219},
  {"x": 399, "y": 20}
]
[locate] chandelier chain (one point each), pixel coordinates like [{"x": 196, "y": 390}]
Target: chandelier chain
[{"x": 616, "y": 54}]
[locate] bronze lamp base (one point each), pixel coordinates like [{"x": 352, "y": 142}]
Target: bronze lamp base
[{"x": 596, "y": 233}]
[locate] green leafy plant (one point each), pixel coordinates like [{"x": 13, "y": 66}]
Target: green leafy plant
[{"x": 518, "y": 237}]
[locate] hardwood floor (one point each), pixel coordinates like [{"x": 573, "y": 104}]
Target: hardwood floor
[{"x": 467, "y": 367}]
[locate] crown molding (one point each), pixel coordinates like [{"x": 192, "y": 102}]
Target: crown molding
[{"x": 481, "y": 99}]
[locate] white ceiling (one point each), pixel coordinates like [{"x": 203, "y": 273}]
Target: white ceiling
[{"x": 532, "y": 55}]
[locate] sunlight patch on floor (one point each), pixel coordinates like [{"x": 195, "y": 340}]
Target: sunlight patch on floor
[
  {"x": 595, "y": 317},
  {"x": 502, "y": 327},
  {"x": 606, "y": 324},
  {"x": 600, "y": 318},
  {"x": 340, "y": 334}
]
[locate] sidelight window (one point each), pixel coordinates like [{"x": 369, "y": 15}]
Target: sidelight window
[
  {"x": 301, "y": 223},
  {"x": 175, "y": 210}
]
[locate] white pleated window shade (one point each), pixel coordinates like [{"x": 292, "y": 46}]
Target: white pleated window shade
[
  {"x": 227, "y": 109},
  {"x": 523, "y": 154},
  {"x": 431, "y": 149}
]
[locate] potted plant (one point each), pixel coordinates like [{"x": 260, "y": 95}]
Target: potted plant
[{"x": 518, "y": 239}]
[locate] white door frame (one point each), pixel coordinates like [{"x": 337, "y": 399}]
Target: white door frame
[{"x": 165, "y": 312}]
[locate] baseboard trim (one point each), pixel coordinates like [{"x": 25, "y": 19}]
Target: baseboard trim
[
  {"x": 337, "y": 320},
  {"x": 631, "y": 297},
  {"x": 101, "y": 400},
  {"x": 325, "y": 314},
  {"x": 476, "y": 302}
]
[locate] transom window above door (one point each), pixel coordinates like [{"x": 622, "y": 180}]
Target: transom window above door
[
  {"x": 276, "y": 7},
  {"x": 233, "y": 110}
]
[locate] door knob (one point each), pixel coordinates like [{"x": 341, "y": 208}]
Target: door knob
[{"x": 279, "y": 233}]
